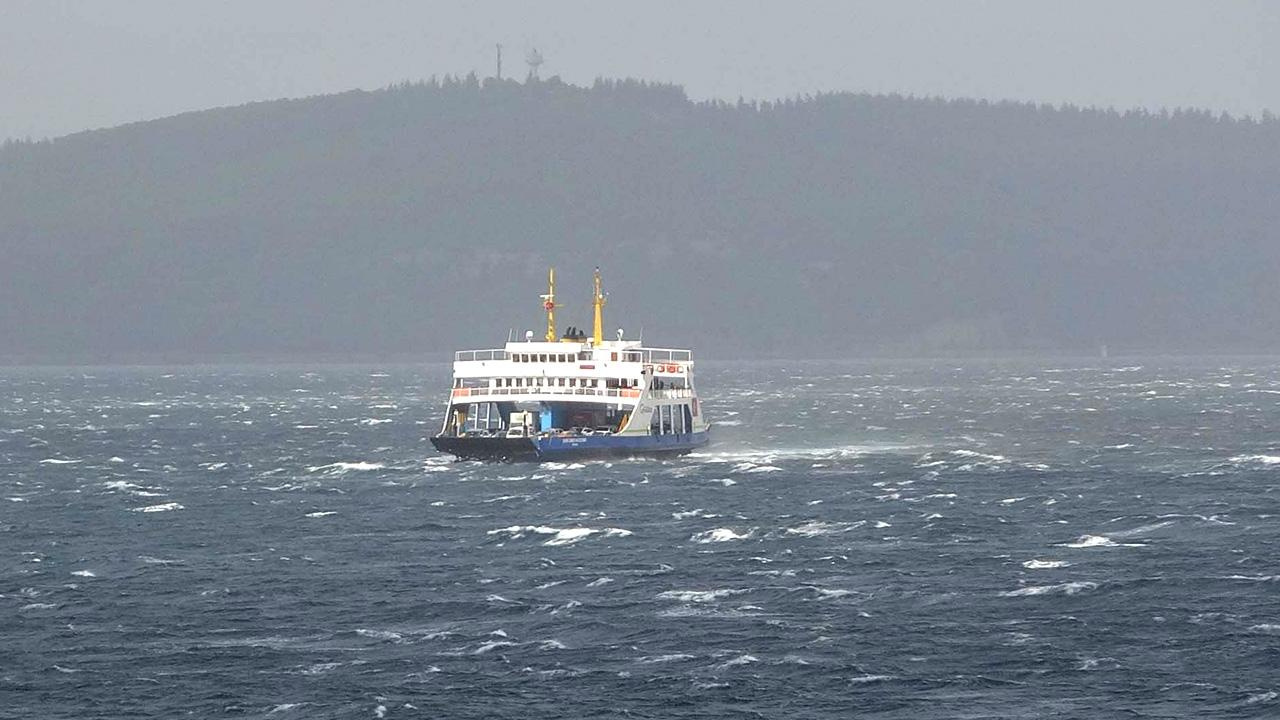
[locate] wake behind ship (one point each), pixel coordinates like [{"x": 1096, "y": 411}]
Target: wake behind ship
[{"x": 573, "y": 397}]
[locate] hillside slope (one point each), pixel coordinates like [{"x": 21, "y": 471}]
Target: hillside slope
[{"x": 421, "y": 218}]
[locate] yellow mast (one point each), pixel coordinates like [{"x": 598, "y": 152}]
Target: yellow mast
[
  {"x": 597, "y": 302},
  {"x": 549, "y": 304}
]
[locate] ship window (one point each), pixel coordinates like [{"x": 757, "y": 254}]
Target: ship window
[
  {"x": 584, "y": 356},
  {"x": 560, "y": 382},
  {"x": 573, "y": 382},
  {"x": 595, "y": 382},
  {"x": 519, "y": 382},
  {"x": 613, "y": 356}
]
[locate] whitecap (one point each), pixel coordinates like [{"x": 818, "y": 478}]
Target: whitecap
[
  {"x": 491, "y": 645},
  {"x": 814, "y": 528},
  {"x": 1045, "y": 564},
  {"x": 743, "y": 659},
  {"x": 321, "y": 513},
  {"x": 599, "y": 582},
  {"x": 1259, "y": 459},
  {"x": 380, "y": 635},
  {"x": 718, "y": 535},
  {"x": 374, "y": 421},
  {"x": 342, "y": 467},
  {"x": 552, "y": 644},
  {"x": 1096, "y": 541},
  {"x": 158, "y": 561},
  {"x": 1269, "y": 628},
  {"x": 83, "y": 573},
  {"x": 58, "y": 461},
  {"x": 162, "y": 507},
  {"x": 1070, "y": 588},
  {"x": 698, "y": 596},
  {"x": 673, "y": 657},
  {"x": 561, "y": 536},
  {"x": 863, "y": 679}
]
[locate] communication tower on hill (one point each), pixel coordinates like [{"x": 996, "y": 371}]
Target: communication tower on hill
[{"x": 533, "y": 59}]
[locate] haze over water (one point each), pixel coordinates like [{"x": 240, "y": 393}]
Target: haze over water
[{"x": 883, "y": 539}]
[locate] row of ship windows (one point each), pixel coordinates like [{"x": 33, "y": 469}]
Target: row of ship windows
[
  {"x": 570, "y": 357},
  {"x": 550, "y": 382}
]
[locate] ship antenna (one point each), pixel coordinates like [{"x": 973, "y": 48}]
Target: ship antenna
[
  {"x": 549, "y": 304},
  {"x": 597, "y": 302}
]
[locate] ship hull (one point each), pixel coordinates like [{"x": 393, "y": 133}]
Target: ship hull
[{"x": 567, "y": 448}]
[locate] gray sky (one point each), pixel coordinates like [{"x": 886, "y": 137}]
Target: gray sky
[{"x": 72, "y": 65}]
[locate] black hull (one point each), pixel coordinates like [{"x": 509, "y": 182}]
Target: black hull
[
  {"x": 568, "y": 448},
  {"x": 500, "y": 449}
]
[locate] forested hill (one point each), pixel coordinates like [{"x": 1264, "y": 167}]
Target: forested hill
[{"x": 418, "y": 219}]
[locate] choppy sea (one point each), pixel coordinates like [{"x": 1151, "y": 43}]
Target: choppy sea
[{"x": 1029, "y": 539}]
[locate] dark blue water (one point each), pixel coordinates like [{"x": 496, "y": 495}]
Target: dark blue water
[{"x": 882, "y": 540}]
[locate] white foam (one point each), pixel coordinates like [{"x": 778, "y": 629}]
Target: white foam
[
  {"x": 1070, "y": 588},
  {"x": 1045, "y": 564},
  {"x": 321, "y": 513},
  {"x": 83, "y": 573},
  {"x": 380, "y": 635},
  {"x": 600, "y": 581},
  {"x": 743, "y": 659},
  {"x": 158, "y": 561},
  {"x": 162, "y": 507},
  {"x": 491, "y": 645},
  {"x": 1269, "y": 628},
  {"x": 698, "y": 596},
  {"x": 674, "y": 657},
  {"x": 58, "y": 461},
  {"x": 562, "y": 536},
  {"x": 980, "y": 456},
  {"x": 718, "y": 535},
  {"x": 814, "y": 528},
  {"x": 1255, "y": 459},
  {"x": 1097, "y": 541},
  {"x": 863, "y": 679},
  {"x": 342, "y": 467}
]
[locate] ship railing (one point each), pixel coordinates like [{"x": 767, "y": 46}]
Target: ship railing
[
  {"x": 544, "y": 391},
  {"x": 671, "y": 393},
  {"x": 657, "y": 355},
  {"x": 473, "y": 355}
]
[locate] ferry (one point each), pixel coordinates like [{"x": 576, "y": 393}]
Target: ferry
[{"x": 572, "y": 396}]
